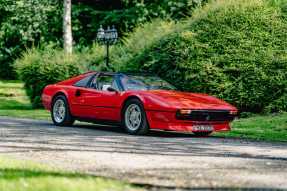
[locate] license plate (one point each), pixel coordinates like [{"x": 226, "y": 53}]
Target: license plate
[{"x": 202, "y": 128}]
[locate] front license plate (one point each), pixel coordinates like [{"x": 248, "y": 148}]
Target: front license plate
[{"x": 202, "y": 128}]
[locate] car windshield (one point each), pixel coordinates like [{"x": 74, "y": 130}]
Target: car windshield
[{"x": 136, "y": 82}]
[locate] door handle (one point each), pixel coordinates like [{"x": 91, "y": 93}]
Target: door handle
[{"x": 78, "y": 93}]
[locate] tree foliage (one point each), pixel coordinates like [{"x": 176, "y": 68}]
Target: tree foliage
[
  {"x": 23, "y": 24},
  {"x": 125, "y": 14}
]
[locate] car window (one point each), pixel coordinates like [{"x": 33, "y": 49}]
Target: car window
[
  {"x": 135, "y": 82},
  {"x": 83, "y": 82},
  {"x": 103, "y": 82}
]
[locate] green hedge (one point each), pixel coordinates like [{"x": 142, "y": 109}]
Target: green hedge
[
  {"x": 38, "y": 68},
  {"x": 233, "y": 49}
]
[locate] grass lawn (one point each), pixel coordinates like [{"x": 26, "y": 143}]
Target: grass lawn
[
  {"x": 22, "y": 175},
  {"x": 268, "y": 128},
  {"x": 14, "y": 103}
]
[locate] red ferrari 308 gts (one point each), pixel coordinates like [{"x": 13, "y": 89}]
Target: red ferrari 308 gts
[{"x": 136, "y": 102}]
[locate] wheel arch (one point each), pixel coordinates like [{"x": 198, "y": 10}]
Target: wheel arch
[
  {"x": 145, "y": 124},
  {"x": 56, "y": 95},
  {"x": 127, "y": 99}
]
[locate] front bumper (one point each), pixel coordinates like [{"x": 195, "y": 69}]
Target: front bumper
[{"x": 168, "y": 121}]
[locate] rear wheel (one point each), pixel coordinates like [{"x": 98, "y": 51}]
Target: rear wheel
[
  {"x": 60, "y": 114},
  {"x": 134, "y": 118},
  {"x": 202, "y": 134}
]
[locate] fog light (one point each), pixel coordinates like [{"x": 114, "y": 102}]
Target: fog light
[{"x": 185, "y": 111}]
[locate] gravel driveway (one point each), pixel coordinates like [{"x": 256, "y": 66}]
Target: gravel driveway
[{"x": 160, "y": 159}]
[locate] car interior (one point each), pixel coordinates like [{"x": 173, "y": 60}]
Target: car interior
[{"x": 103, "y": 82}]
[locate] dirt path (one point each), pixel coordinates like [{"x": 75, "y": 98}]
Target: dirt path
[{"x": 164, "y": 159}]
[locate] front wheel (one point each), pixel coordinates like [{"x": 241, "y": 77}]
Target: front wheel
[
  {"x": 60, "y": 112},
  {"x": 134, "y": 118}
]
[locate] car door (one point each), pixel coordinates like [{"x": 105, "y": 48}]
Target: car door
[
  {"x": 96, "y": 102},
  {"x": 80, "y": 90}
]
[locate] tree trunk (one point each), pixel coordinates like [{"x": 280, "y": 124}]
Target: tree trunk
[{"x": 67, "y": 27}]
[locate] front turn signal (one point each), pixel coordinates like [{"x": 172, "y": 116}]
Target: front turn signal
[{"x": 185, "y": 111}]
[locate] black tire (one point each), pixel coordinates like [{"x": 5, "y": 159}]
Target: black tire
[
  {"x": 202, "y": 134},
  {"x": 68, "y": 119},
  {"x": 143, "y": 127}
]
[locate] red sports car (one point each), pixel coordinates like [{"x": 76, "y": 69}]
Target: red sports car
[{"x": 136, "y": 102}]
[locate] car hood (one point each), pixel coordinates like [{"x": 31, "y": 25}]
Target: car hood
[{"x": 184, "y": 100}]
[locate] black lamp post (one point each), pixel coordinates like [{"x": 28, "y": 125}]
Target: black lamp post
[{"x": 107, "y": 37}]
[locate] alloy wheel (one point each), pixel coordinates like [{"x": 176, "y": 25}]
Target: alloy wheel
[
  {"x": 133, "y": 117},
  {"x": 59, "y": 111}
]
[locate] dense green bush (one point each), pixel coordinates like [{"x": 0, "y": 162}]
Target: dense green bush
[
  {"x": 39, "y": 68},
  {"x": 279, "y": 104},
  {"x": 236, "y": 50}
]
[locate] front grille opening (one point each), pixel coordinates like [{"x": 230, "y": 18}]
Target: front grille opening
[{"x": 206, "y": 115}]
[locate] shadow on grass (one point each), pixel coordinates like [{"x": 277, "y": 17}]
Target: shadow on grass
[
  {"x": 15, "y": 173},
  {"x": 10, "y": 104}
]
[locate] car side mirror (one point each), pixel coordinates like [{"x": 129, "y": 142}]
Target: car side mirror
[{"x": 110, "y": 89}]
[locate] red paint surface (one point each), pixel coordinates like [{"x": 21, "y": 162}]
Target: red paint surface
[{"x": 160, "y": 105}]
